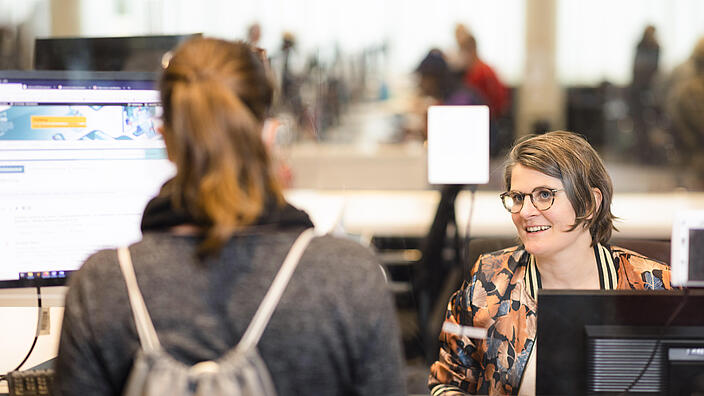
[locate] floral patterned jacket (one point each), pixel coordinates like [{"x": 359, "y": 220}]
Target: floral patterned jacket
[{"x": 500, "y": 297}]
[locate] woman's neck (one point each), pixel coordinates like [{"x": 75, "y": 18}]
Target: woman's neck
[{"x": 575, "y": 268}]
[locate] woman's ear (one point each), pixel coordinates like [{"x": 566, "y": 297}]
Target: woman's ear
[
  {"x": 161, "y": 131},
  {"x": 269, "y": 129},
  {"x": 597, "y": 201}
]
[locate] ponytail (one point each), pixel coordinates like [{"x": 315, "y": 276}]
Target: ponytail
[{"x": 224, "y": 176}]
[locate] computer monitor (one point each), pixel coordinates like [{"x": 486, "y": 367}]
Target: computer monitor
[
  {"x": 597, "y": 342},
  {"x": 80, "y": 156},
  {"x": 136, "y": 53},
  {"x": 688, "y": 248}
]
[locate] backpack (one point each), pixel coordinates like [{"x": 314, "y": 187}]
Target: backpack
[{"x": 240, "y": 371}]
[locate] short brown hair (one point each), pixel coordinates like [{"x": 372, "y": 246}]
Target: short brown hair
[
  {"x": 570, "y": 158},
  {"x": 216, "y": 95}
]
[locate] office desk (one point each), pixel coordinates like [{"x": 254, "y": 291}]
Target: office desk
[{"x": 368, "y": 213}]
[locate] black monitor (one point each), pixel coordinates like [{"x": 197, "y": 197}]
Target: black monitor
[
  {"x": 80, "y": 156},
  {"x": 136, "y": 53},
  {"x": 598, "y": 342}
]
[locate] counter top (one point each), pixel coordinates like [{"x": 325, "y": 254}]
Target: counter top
[{"x": 410, "y": 213}]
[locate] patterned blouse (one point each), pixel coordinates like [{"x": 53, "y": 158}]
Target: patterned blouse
[{"x": 501, "y": 297}]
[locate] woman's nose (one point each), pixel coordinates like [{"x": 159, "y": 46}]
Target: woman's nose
[{"x": 528, "y": 208}]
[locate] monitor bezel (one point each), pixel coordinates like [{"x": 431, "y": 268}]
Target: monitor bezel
[
  {"x": 684, "y": 222},
  {"x": 129, "y": 80},
  {"x": 125, "y": 79},
  {"x": 41, "y": 282},
  {"x": 104, "y": 53}
]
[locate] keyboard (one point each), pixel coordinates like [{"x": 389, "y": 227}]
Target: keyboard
[{"x": 31, "y": 382}]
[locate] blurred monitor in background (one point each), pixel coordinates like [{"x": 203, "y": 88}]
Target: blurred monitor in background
[{"x": 137, "y": 53}]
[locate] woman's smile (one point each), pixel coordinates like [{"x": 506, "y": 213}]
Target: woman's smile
[{"x": 536, "y": 229}]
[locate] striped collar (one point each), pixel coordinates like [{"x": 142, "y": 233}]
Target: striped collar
[{"x": 604, "y": 262}]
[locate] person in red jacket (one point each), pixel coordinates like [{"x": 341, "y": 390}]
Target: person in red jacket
[{"x": 480, "y": 76}]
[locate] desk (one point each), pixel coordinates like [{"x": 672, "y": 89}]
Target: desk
[
  {"x": 17, "y": 334},
  {"x": 369, "y": 213}
]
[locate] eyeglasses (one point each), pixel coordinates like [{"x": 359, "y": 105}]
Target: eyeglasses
[{"x": 541, "y": 197}]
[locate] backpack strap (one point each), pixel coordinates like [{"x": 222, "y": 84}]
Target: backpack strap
[
  {"x": 145, "y": 328},
  {"x": 271, "y": 299}
]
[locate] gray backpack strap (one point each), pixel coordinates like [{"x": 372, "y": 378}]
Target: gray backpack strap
[
  {"x": 145, "y": 327},
  {"x": 271, "y": 299}
]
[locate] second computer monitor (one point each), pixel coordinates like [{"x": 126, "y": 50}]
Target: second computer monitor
[{"x": 137, "y": 53}]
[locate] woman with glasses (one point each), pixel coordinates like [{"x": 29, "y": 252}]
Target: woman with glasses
[{"x": 558, "y": 195}]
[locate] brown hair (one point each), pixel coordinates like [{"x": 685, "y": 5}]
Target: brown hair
[
  {"x": 216, "y": 95},
  {"x": 569, "y": 157}
]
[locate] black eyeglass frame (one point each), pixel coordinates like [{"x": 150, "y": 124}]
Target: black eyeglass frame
[{"x": 505, "y": 194}]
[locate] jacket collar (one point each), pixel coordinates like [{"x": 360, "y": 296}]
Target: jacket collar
[
  {"x": 608, "y": 279},
  {"x": 160, "y": 214}
]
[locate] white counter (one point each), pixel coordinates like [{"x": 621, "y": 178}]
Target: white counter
[
  {"x": 410, "y": 213},
  {"x": 366, "y": 214}
]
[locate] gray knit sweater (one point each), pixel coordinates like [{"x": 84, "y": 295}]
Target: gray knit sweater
[{"x": 333, "y": 333}]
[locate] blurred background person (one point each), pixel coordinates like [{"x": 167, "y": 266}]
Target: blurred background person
[
  {"x": 680, "y": 73},
  {"x": 437, "y": 85},
  {"x": 254, "y": 34},
  {"x": 457, "y": 57},
  {"x": 8, "y": 47},
  {"x": 436, "y": 80},
  {"x": 685, "y": 110},
  {"x": 642, "y": 104},
  {"x": 288, "y": 66},
  {"x": 482, "y": 78}
]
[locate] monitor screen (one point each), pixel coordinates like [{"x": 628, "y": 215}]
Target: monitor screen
[
  {"x": 137, "y": 53},
  {"x": 593, "y": 342},
  {"x": 78, "y": 163},
  {"x": 688, "y": 248}
]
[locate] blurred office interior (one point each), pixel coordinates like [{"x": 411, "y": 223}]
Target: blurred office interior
[
  {"x": 351, "y": 90},
  {"x": 351, "y": 113}
]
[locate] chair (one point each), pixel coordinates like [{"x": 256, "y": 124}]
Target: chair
[{"x": 658, "y": 249}]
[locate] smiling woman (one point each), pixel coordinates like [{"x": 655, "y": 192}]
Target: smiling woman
[
  {"x": 558, "y": 194},
  {"x": 580, "y": 213}
]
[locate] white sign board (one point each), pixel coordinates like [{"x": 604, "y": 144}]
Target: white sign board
[{"x": 458, "y": 145}]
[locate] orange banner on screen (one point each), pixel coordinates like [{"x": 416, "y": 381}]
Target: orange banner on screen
[{"x": 39, "y": 122}]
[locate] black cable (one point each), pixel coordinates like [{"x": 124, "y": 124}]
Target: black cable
[
  {"x": 465, "y": 256},
  {"x": 36, "y": 334},
  {"x": 658, "y": 341}
]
